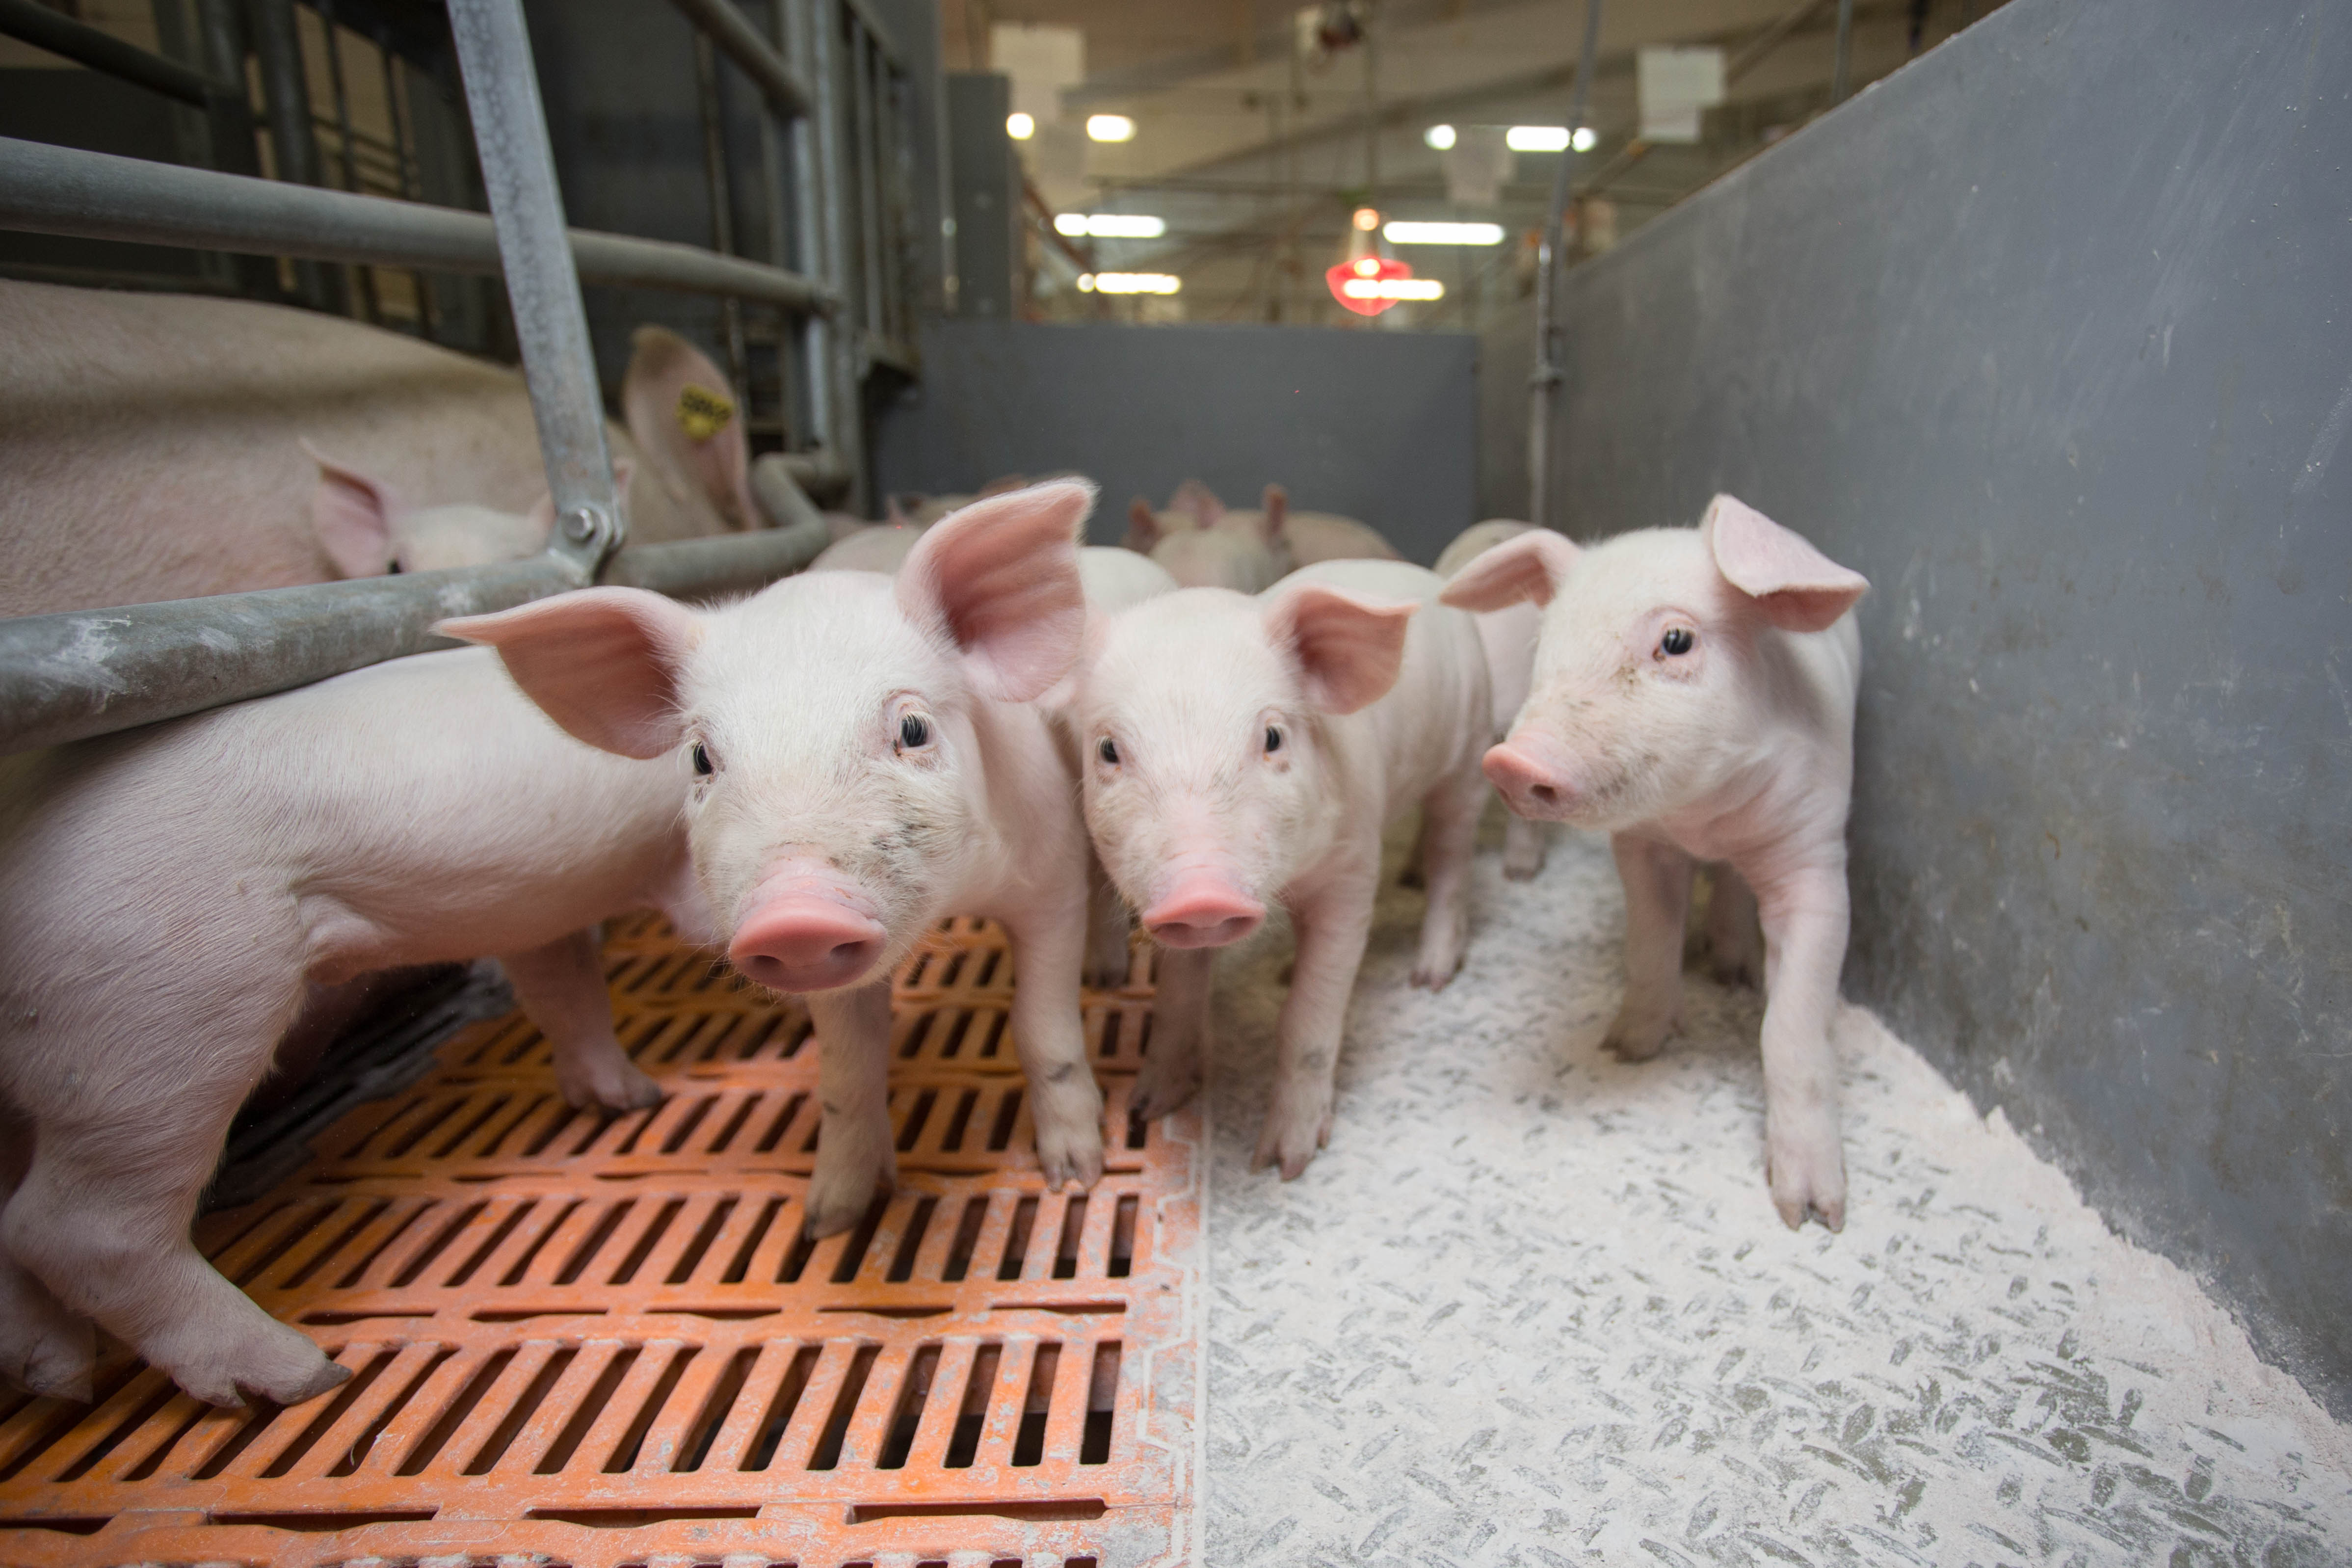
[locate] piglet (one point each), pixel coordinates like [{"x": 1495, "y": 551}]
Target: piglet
[
  {"x": 1202, "y": 545},
  {"x": 1241, "y": 751},
  {"x": 1694, "y": 698},
  {"x": 867, "y": 758},
  {"x": 168, "y": 895}
]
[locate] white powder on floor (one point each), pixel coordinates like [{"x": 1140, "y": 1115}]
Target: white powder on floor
[{"x": 1533, "y": 1305}]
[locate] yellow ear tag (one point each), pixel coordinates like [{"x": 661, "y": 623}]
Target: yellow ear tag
[{"x": 702, "y": 412}]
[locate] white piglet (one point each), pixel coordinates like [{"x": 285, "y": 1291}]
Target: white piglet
[
  {"x": 168, "y": 895},
  {"x": 1694, "y": 698},
  {"x": 1242, "y": 751},
  {"x": 1508, "y": 635},
  {"x": 867, "y": 758}
]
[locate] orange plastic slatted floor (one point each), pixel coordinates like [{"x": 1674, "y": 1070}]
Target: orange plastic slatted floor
[{"x": 606, "y": 1343}]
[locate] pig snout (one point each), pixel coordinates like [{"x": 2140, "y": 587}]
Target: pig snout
[
  {"x": 807, "y": 929},
  {"x": 1203, "y": 909},
  {"x": 1535, "y": 774}
]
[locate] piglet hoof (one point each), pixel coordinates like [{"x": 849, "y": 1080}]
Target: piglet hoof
[
  {"x": 1070, "y": 1158},
  {"x": 1291, "y": 1137},
  {"x": 1805, "y": 1166},
  {"x": 55, "y": 1359},
  {"x": 1636, "y": 1036},
  {"x": 273, "y": 1363},
  {"x": 612, "y": 1087},
  {"x": 839, "y": 1195},
  {"x": 1432, "y": 973},
  {"x": 1164, "y": 1087}
]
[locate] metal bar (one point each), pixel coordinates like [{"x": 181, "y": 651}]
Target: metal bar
[
  {"x": 91, "y": 672},
  {"x": 866, "y": 163},
  {"x": 349, "y": 154},
  {"x": 84, "y": 45},
  {"x": 286, "y": 92},
  {"x": 1544, "y": 380},
  {"x": 1843, "y": 79},
  {"x": 838, "y": 369},
  {"x": 723, "y": 25},
  {"x": 542, "y": 288},
  {"x": 723, "y": 200},
  {"x": 778, "y": 249},
  {"x": 96, "y": 196}
]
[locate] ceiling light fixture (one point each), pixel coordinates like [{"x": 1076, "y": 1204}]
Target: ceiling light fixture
[
  {"x": 1400, "y": 232},
  {"x": 1110, "y": 226},
  {"x": 1439, "y": 136},
  {"x": 1585, "y": 138},
  {"x": 1393, "y": 288},
  {"x": 1136, "y": 283},
  {"x": 1020, "y": 126},
  {"x": 1109, "y": 128},
  {"x": 1537, "y": 139}
]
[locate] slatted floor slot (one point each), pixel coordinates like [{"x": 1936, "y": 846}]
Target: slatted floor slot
[{"x": 607, "y": 1343}]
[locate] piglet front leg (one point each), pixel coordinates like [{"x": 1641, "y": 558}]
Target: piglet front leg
[
  {"x": 1333, "y": 924},
  {"x": 1170, "y": 1076},
  {"x": 855, "y": 1157},
  {"x": 1657, "y": 879},
  {"x": 1805, "y": 917},
  {"x": 1049, "y": 1031},
  {"x": 561, "y": 987}
]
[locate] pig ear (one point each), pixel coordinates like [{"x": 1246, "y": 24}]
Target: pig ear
[
  {"x": 1531, "y": 566},
  {"x": 1798, "y": 588},
  {"x": 1349, "y": 649},
  {"x": 353, "y": 514},
  {"x": 604, "y": 663},
  {"x": 685, "y": 421},
  {"x": 1277, "y": 505},
  {"x": 999, "y": 578},
  {"x": 1199, "y": 500},
  {"x": 1142, "y": 527}
]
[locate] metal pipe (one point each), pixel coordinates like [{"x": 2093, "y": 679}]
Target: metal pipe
[
  {"x": 344, "y": 145},
  {"x": 844, "y": 433},
  {"x": 100, "y": 51},
  {"x": 286, "y": 92},
  {"x": 817, "y": 332},
  {"x": 70, "y": 675},
  {"x": 723, "y": 25},
  {"x": 96, "y": 196},
  {"x": 542, "y": 289},
  {"x": 866, "y": 155},
  {"x": 722, "y": 203},
  {"x": 778, "y": 246},
  {"x": 1545, "y": 379},
  {"x": 1843, "y": 79}
]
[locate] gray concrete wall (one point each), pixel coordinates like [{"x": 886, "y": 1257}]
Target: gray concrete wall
[
  {"x": 1378, "y": 425},
  {"x": 2050, "y": 334}
]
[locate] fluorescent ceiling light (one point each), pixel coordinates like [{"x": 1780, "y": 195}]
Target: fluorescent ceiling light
[
  {"x": 1020, "y": 126},
  {"x": 1109, "y": 128},
  {"x": 1085, "y": 282},
  {"x": 1393, "y": 288},
  {"x": 1439, "y": 136},
  {"x": 1585, "y": 140},
  {"x": 1135, "y": 283},
  {"x": 1399, "y": 232},
  {"x": 1110, "y": 226},
  {"x": 1537, "y": 139}
]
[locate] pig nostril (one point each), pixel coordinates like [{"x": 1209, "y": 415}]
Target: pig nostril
[{"x": 1544, "y": 793}]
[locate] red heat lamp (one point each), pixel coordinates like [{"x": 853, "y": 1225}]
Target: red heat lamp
[{"x": 1375, "y": 268}]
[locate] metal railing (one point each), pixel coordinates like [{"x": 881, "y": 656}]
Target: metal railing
[{"x": 69, "y": 676}]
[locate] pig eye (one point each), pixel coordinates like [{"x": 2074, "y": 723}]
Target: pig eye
[
  {"x": 1273, "y": 739},
  {"x": 1108, "y": 751},
  {"x": 702, "y": 767},
  {"x": 914, "y": 732},
  {"x": 1677, "y": 642}
]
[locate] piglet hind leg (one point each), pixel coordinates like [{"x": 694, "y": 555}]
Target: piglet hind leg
[
  {"x": 102, "y": 1217},
  {"x": 1332, "y": 930},
  {"x": 43, "y": 1348},
  {"x": 1066, "y": 1106},
  {"x": 1171, "y": 1070},
  {"x": 1805, "y": 921},
  {"x": 561, "y": 987},
  {"x": 1449, "y": 833},
  {"x": 1525, "y": 846},
  {"x": 1657, "y": 879},
  {"x": 855, "y": 1157}
]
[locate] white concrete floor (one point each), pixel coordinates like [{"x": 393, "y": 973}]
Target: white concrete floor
[{"x": 1532, "y": 1306}]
